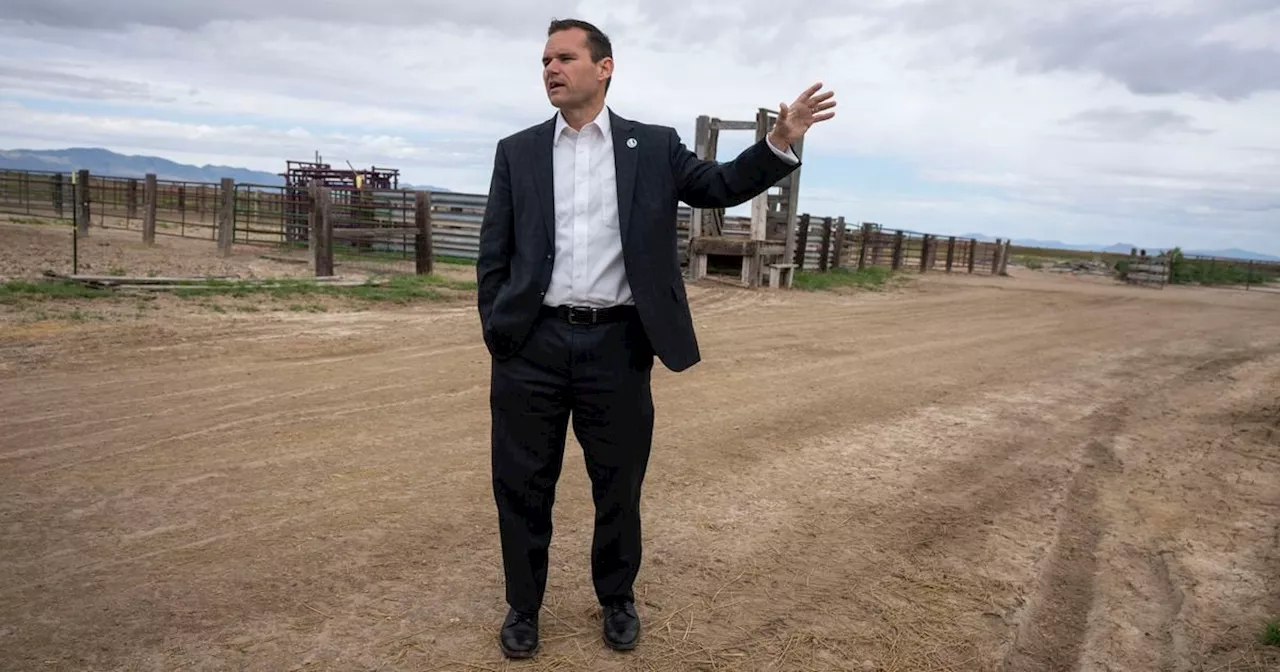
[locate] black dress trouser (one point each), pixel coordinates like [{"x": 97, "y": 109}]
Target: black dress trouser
[{"x": 598, "y": 375}]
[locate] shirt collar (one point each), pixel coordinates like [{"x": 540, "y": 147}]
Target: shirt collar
[{"x": 601, "y": 121}]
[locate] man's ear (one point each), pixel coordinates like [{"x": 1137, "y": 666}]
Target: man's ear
[{"x": 606, "y": 68}]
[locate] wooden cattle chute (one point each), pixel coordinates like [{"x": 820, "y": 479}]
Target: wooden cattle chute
[
  {"x": 1147, "y": 271},
  {"x": 770, "y": 244}
]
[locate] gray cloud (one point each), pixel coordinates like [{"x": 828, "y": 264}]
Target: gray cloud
[
  {"x": 771, "y": 27},
  {"x": 72, "y": 86},
  {"x": 1114, "y": 123},
  {"x": 500, "y": 15},
  {"x": 1149, "y": 52}
]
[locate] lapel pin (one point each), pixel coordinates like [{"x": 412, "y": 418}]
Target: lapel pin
[{"x": 631, "y": 142}]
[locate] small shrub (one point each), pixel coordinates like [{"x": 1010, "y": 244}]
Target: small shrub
[
  {"x": 1270, "y": 634},
  {"x": 1185, "y": 271}
]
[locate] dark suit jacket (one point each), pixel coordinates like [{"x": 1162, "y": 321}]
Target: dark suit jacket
[{"x": 517, "y": 236}]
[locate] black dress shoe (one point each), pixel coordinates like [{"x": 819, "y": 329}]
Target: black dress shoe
[
  {"x": 621, "y": 626},
  {"x": 519, "y": 637}
]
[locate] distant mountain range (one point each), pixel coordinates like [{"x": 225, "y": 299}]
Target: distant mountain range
[
  {"x": 105, "y": 162},
  {"x": 1124, "y": 248}
]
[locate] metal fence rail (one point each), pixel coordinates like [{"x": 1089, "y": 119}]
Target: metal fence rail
[
  {"x": 1248, "y": 274},
  {"x": 270, "y": 215},
  {"x": 187, "y": 209},
  {"x": 36, "y": 193}
]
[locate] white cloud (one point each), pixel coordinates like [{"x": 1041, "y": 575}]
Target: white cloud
[{"x": 1061, "y": 135}]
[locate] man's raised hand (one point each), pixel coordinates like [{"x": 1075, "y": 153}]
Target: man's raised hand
[{"x": 795, "y": 119}]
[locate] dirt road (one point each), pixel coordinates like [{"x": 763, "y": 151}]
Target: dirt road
[{"x": 1029, "y": 473}]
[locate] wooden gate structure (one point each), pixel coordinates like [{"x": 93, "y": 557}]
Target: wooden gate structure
[{"x": 770, "y": 245}]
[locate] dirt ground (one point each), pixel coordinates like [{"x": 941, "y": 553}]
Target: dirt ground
[
  {"x": 29, "y": 247},
  {"x": 967, "y": 473}
]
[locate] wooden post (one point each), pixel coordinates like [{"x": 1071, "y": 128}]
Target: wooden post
[
  {"x": 802, "y": 242},
  {"x": 422, "y": 243},
  {"x": 951, "y": 253},
  {"x": 313, "y": 221},
  {"x": 825, "y": 256},
  {"x": 322, "y": 231},
  {"x": 701, "y": 148},
  {"x": 1004, "y": 257},
  {"x": 82, "y": 203},
  {"x": 838, "y": 244},
  {"x": 182, "y": 206},
  {"x": 862, "y": 246},
  {"x": 973, "y": 255},
  {"x": 924, "y": 253},
  {"x": 898, "y": 251},
  {"x": 131, "y": 199},
  {"x": 227, "y": 217},
  {"x": 149, "y": 210}
]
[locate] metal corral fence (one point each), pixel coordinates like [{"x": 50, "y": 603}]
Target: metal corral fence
[
  {"x": 36, "y": 193},
  {"x": 1248, "y": 274}
]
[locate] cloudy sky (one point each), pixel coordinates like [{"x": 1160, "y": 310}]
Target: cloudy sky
[{"x": 1153, "y": 122}]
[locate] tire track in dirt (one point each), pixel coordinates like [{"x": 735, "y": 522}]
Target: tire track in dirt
[
  {"x": 1050, "y": 636},
  {"x": 1002, "y": 480},
  {"x": 1055, "y": 625},
  {"x": 1174, "y": 646},
  {"x": 1182, "y": 568}
]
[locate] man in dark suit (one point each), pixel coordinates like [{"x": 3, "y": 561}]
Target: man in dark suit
[{"x": 580, "y": 288}]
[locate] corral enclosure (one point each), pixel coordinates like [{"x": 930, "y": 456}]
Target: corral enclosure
[
  {"x": 383, "y": 224},
  {"x": 382, "y": 228}
]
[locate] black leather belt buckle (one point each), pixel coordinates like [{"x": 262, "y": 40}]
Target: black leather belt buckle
[{"x": 577, "y": 315}]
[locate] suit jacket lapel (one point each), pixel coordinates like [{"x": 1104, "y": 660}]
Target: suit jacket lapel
[
  {"x": 624, "y": 161},
  {"x": 544, "y": 177}
]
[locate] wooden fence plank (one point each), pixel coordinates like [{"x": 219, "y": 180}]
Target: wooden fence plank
[
  {"x": 838, "y": 244},
  {"x": 824, "y": 257},
  {"x": 802, "y": 242}
]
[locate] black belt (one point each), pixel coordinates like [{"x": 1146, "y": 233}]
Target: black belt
[{"x": 588, "y": 315}]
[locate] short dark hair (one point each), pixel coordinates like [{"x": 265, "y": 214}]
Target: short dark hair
[{"x": 597, "y": 41}]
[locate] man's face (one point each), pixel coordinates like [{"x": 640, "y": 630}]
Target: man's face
[{"x": 567, "y": 71}]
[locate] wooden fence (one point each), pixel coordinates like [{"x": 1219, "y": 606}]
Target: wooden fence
[
  {"x": 1147, "y": 271},
  {"x": 397, "y": 225}
]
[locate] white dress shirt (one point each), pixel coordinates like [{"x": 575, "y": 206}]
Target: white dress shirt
[{"x": 588, "y": 269}]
